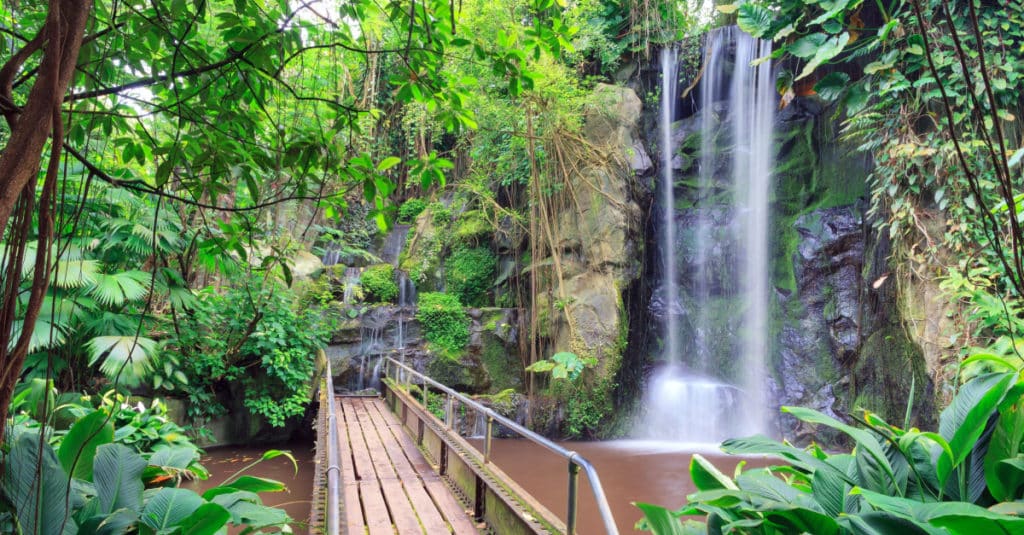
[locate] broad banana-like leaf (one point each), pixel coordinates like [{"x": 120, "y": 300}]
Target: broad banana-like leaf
[
  {"x": 963, "y": 422},
  {"x": 170, "y": 506},
  {"x": 78, "y": 449},
  {"x": 865, "y": 440},
  {"x": 661, "y": 521},
  {"x": 117, "y": 474},
  {"x": 35, "y": 481},
  {"x": 706, "y": 476}
]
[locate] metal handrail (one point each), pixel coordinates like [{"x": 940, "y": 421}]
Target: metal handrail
[
  {"x": 576, "y": 461},
  {"x": 333, "y": 465}
]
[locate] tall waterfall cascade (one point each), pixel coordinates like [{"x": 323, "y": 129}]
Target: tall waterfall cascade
[{"x": 713, "y": 296}]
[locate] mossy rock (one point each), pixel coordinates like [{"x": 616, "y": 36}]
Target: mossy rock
[
  {"x": 458, "y": 372},
  {"x": 890, "y": 365},
  {"x": 472, "y": 227},
  {"x": 503, "y": 366}
]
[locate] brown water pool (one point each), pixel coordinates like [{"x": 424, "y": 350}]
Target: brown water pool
[
  {"x": 630, "y": 471},
  {"x": 225, "y": 461}
]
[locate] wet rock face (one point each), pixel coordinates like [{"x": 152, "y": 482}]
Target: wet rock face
[{"x": 821, "y": 329}]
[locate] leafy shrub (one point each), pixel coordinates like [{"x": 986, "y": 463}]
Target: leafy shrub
[
  {"x": 255, "y": 340},
  {"x": 469, "y": 274},
  {"x": 379, "y": 283},
  {"x": 443, "y": 320},
  {"x": 410, "y": 209}
]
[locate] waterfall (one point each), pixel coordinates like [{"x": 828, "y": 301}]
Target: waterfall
[
  {"x": 352, "y": 276},
  {"x": 715, "y": 314},
  {"x": 670, "y": 281}
]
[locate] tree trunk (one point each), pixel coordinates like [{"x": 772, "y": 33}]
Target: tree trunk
[{"x": 60, "y": 40}]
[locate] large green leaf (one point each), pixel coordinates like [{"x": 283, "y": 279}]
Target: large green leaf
[
  {"x": 660, "y": 520},
  {"x": 117, "y": 473},
  {"x": 1004, "y": 482},
  {"x": 208, "y": 519},
  {"x": 170, "y": 506},
  {"x": 256, "y": 484},
  {"x": 1008, "y": 475},
  {"x": 246, "y": 508},
  {"x": 179, "y": 457},
  {"x": 885, "y": 523},
  {"x": 865, "y": 440},
  {"x": 958, "y": 518},
  {"x": 34, "y": 480},
  {"x": 754, "y": 19},
  {"x": 963, "y": 422},
  {"x": 828, "y": 50},
  {"x": 78, "y": 448},
  {"x": 706, "y": 476},
  {"x": 761, "y": 445}
]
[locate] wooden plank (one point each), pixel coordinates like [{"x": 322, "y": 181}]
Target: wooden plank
[
  {"x": 375, "y": 510},
  {"x": 446, "y": 503},
  {"x": 426, "y": 509},
  {"x": 378, "y": 521},
  {"x": 350, "y": 487},
  {"x": 402, "y": 512}
]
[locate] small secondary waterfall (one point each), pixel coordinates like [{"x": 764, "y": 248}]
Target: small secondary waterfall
[{"x": 711, "y": 386}]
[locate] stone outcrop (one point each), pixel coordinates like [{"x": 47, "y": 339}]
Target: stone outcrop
[{"x": 601, "y": 241}]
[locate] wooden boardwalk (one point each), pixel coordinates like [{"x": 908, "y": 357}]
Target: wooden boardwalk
[{"x": 388, "y": 486}]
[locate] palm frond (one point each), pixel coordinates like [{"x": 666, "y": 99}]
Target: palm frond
[
  {"x": 126, "y": 359},
  {"x": 116, "y": 289}
]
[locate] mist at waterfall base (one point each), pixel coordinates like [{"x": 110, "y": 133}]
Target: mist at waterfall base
[{"x": 710, "y": 384}]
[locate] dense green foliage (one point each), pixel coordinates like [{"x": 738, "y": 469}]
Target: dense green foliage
[
  {"x": 469, "y": 274},
  {"x": 378, "y": 283},
  {"x": 444, "y": 321},
  {"x": 258, "y": 342}
]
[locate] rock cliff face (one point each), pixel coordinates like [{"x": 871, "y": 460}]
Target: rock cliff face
[{"x": 601, "y": 242}]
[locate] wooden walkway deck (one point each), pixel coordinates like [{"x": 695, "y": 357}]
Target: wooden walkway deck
[{"x": 388, "y": 486}]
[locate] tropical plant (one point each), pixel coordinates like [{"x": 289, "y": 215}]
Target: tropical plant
[
  {"x": 253, "y": 339},
  {"x": 964, "y": 479},
  {"x": 563, "y": 365},
  {"x": 112, "y": 487},
  {"x": 469, "y": 274},
  {"x": 410, "y": 209}
]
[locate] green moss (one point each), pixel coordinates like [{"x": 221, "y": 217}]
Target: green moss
[
  {"x": 379, "y": 283},
  {"x": 444, "y": 321},
  {"x": 471, "y": 226},
  {"x": 449, "y": 370},
  {"x": 889, "y": 366},
  {"x": 503, "y": 367},
  {"x": 469, "y": 274}
]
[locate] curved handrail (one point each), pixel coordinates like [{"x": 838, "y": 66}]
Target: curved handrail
[
  {"x": 576, "y": 461},
  {"x": 333, "y": 466}
]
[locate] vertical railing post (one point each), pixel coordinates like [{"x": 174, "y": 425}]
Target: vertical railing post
[
  {"x": 574, "y": 483},
  {"x": 487, "y": 439},
  {"x": 449, "y": 411}
]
